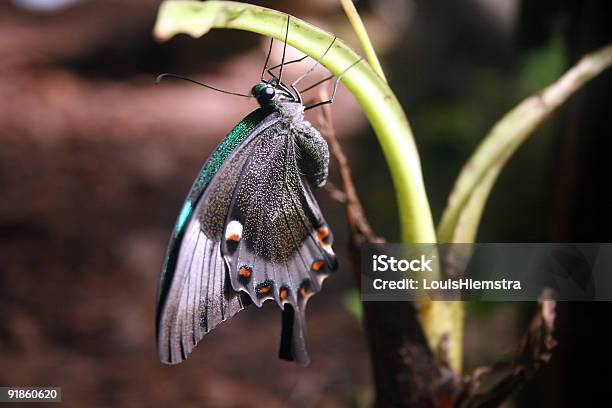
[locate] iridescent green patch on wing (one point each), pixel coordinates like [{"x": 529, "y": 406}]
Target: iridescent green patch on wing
[
  {"x": 225, "y": 149},
  {"x": 183, "y": 217},
  {"x": 213, "y": 164},
  {"x": 211, "y": 167}
]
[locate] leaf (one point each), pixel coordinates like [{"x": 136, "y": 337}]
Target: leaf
[{"x": 466, "y": 202}]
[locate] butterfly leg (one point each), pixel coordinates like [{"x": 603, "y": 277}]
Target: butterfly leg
[
  {"x": 269, "y": 70},
  {"x": 265, "y": 68},
  {"x": 333, "y": 95},
  {"x": 312, "y": 68},
  {"x": 275, "y": 78},
  {"x": 317, "y": 84},
  {"x": 280, "y": 74}
]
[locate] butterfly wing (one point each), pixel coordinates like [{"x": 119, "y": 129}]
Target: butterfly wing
[
  {"x": 250, "y": 230},
  {"x": 194, "y": 293},
  {"x": 276, "y": 242},
  {"x": 199, "y": 299}
]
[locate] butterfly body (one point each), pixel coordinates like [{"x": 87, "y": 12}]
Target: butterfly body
[{"x": 250, "y": 231}]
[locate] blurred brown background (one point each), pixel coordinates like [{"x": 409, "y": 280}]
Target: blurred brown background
[{"x": 95, "y": 161}]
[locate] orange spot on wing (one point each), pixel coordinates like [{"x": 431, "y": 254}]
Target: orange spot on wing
[
  {"x": 244, "y": 272},
  {"x": 322, "y": 233},
  {"x": 317, "y": 265},
  {"x": 264, "y": 289},
  {"x": 283, "y": 294},
  {"x": 234, "y": 237}
]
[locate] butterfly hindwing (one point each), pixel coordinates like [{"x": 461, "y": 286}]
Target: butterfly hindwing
[
  {"x": 277, "y": 245},
  {"x": 268, "y": 224}
]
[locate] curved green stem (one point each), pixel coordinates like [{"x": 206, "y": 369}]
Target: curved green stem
[
  {"x": 462, "y": 215},
  {"x": 373, "y": 94}
]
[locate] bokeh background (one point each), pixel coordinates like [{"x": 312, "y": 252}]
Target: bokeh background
[{"x": 95, "y": 162}]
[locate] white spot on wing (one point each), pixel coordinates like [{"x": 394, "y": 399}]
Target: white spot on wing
[{"x": 233, "y": 232}]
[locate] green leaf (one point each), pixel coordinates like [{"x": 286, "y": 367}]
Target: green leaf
[
  {"x": 352, "y": 303},
  {"x": 466, "y": 202}
]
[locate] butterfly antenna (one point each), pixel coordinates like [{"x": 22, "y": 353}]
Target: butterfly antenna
[
  {"x": 280, "y": 74},
  {"x": 169, "y": 75},
  {"x": 263, "y": 71}
]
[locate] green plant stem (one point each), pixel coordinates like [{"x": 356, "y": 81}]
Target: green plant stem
[
  {"x": 462, "y": 215},
  {"x": 362, "y": 34},
  {"x": 461, "y": 218}
]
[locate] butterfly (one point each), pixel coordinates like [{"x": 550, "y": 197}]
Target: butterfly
[{"x": 250, "y": 229}]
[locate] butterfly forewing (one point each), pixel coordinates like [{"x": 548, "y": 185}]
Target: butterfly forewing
[
  {"x": 194, "y": 294},
  {"x": 252, "y": 232}
]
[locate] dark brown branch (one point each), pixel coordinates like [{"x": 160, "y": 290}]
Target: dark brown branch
[
  {"x": 534, "y": 350},
  {"x": 404, "y": 368},
  {"x": 359, "y": 227}
]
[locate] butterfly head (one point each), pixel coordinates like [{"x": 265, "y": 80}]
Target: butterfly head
[
  {"x": 264, "y": 93},
  {"x": 268, "y": 94}
]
